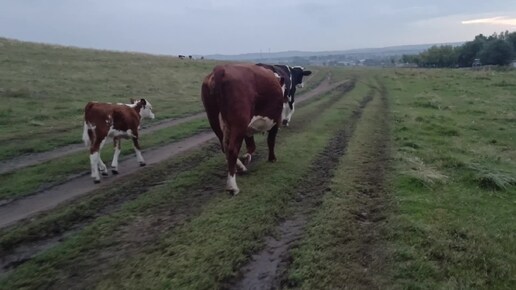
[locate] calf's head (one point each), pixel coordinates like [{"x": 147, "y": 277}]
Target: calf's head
[{"x": 145, "y": 108}]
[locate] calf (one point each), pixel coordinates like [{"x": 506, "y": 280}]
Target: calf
[
  {"x": 293, "y": 78},
  {"x": 240, "y": 100},
  {"x": 117, "y": 121}
]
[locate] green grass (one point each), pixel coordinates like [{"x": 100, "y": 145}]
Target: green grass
[
  {"x": 27, "y": 180},
  {"x": 331, "y": 254},
  {"x": 216, "y": 239},
  {"x": 454, "y": 179},
  {"x": 44, "y": 89}
]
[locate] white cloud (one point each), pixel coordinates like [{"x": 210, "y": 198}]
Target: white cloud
[{"x": 499, "y": 20}]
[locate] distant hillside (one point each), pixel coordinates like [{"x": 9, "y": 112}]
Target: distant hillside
[{"x": 391, "y": 50}]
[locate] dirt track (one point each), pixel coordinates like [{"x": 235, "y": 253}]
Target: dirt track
[
  {"x": 268, "y": 268},
  {"x": 26, "y": 207}
]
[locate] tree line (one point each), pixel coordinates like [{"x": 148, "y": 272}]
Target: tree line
[{"x": 497, "y": 49}]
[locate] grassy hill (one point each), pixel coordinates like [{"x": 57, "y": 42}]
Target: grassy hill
[{"x": 44, "y": 88}]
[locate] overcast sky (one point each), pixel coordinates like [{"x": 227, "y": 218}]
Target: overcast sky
[{"x": 241, "y": 26}]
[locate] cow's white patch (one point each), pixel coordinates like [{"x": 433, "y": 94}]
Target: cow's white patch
[
  {"x": 94, "y": 162},
  {"x": 146, "y": 111},
  {"x": 286, "y": 114},
  {"x": 231, "y": 184},
  {"x": 241, "y": 165},
  {"x": 139, "y": 156},
  {"x": 248, "y": 158},
  {"x": 261, "y": 124},
  {"x": 114, "y": 163},
  {"x": 120, "y": 133},
  {"x": 301, "y": 85},
  {"x": 285, "y": 111},
  {"x": 102, "y": 166}
]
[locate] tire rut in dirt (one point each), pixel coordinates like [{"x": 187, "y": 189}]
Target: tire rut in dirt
[
  {"x": 16, "y": 252},
  {"x": 269, "y": 267},
  {"x": 373, "y": 204}
]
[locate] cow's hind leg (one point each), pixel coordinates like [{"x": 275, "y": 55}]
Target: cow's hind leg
[
  {"x": 102, "y": 166},
  {"x": 232, "y": 150},
  {"x": 138, "y": 152},
  {"x": 251, "y": 148},
  {"x": 117, "y": 143},
  {"x": 271, "y": 140},
  {"x": 94, "y": 161}
]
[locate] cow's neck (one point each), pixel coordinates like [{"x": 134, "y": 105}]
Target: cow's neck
[{"x": 136, "y": 106}]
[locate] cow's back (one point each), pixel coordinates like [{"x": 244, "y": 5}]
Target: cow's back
[
  {"x": 245, "y": 90},
  {"x": 121, "y": 117}
]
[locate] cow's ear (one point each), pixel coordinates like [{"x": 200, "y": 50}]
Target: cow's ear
[
  {"x": 143, "y": 102},
  {"x": 307, "y": 72},
  {"x": 132, "y": 101}
]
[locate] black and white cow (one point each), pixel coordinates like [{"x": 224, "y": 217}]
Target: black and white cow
[{"x": 293, "y": 77}]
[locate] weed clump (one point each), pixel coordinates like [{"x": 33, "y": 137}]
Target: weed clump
[{"x": 490, "y": 179}]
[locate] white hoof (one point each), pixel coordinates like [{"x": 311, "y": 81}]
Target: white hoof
[{"x": 231, "y": 185}]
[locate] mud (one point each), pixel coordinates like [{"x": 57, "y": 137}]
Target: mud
[
  {"x": 268, "y": 268},
  {"x": 16, "y": 163}
]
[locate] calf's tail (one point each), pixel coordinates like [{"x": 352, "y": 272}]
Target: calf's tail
[{"x": 87, "y": 135}]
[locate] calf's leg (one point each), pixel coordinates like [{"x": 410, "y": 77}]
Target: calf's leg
[
  {"x": 138, "y": 152},
  {"x": 117, "y": 142},
  {"x": 95, "y": 161},
  {"x": 232, "y": 149}
]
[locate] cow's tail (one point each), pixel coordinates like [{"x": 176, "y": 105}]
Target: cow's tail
[
  {"x": 86, "y": 134},
  {"x": 216, "y": 84}
]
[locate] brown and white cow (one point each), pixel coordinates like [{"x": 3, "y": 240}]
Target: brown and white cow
[
  {"x": 240, "y": 100},
  {"x": 117, "y": 121}
]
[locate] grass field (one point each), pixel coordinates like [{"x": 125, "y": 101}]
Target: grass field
[{"x": 404, "y": 180}]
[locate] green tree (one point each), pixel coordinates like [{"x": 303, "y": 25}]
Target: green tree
[{"x": 497, "y": 52}]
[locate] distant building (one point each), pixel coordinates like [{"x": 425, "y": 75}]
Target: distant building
[
  {"x": 476, "y": 62},
  {"x": 513, "y": 63}
]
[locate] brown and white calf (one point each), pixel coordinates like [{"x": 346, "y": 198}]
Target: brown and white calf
[
  {"x": 117, "y": 121},
  {"x": 240, "y": 100}
]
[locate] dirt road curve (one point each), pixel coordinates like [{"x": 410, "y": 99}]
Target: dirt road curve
[
  {"x": 26, "y": 207},
  {"x": 37, "y": 158}
]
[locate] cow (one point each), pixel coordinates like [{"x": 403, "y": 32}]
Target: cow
[
  {"x": 117, "y": 121},
  {"x": 181, "y": 56},
  {"x": 240, "y": 100},
  {"x": 293, "y": 78}
]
